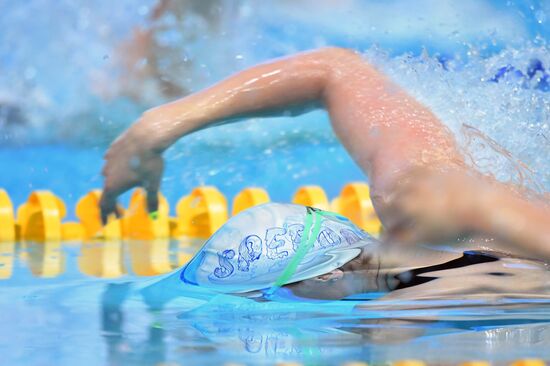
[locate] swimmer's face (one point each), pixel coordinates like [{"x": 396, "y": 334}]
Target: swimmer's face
[
  {"x": 347, "y": 280},
  {"x": 331, "y": 286}
]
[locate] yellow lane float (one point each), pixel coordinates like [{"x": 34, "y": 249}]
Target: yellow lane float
[
  {"x": 40, "y": 217},
  {"x": 202, "y": 212},
  {"x": 529, "y": 362},
  {"x": 87, "y": 211},
  {"x": 7, "y": 221},
  {"x": 138, "y": 224},
  {"x": 313, "y": 196},
  {"x": 199, "y": 214},
  {"x": 72, "y": 231},
  {"x": 354, "y": 202},
  {"x": 409, "y": 363},
  {"x": 249, "y": 197}
]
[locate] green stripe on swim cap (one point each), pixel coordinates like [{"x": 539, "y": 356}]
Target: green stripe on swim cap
[{"x": 306, "y": 242}]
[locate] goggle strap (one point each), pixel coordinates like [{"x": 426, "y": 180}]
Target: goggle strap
[{"x": 309, "y": 235}]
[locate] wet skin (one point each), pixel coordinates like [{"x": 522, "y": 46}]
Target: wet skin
[
  {"x": 420, "y": 186},
  {"x": 421, "y": 273}
]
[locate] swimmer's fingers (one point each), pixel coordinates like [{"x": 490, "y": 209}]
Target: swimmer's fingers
[
  {"x": 107, "y": 206},
  {"x": 151, "y": 182},
  {"x": 130, "y": 163},
  {"x": 152, "y": 190},
  {"x": 112, "y": 189}
]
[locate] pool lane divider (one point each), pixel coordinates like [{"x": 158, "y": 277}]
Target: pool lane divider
[
  {"x": 201, "y": 213},
  {"x": 312, "y": 196},
  {"x": 198, "y": 215},
  {"x": 409, "y": 363},
  {"x": 40, "y": 217},
  {"x": 7, "y": 221},
  {"x": 88, "y": 214},
  {"x": 249, "y": 197},
  {"x": 137, "y": 224},
  {"x": 529, "y": 362},
  {"x": 355, "y": 203}
]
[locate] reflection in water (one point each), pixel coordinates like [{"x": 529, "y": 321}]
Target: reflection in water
[
  {"x": 158, "y": 256},
  {"x": 6, "y": 259},
  {"x": 45, "y": 259},
  {"x": 150, "y": 258},
  {"x": 237, "y": 329},
  {"x": 101, "y": 259},
  {"x": 113, "y": 320},
  {"x": 186, "y": 249}
]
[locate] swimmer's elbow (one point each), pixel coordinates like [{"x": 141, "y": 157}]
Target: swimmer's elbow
[
  {"x": 345, "y": 62},
  {"x": 338, "y": 53}
]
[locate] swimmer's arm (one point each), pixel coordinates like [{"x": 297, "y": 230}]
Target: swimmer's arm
[
  {"x": 439, "y": 207},
  {"x": 385, "y": 130},
  {"x": 289, "y": 86},
  {"x": 514, "y": 220}
]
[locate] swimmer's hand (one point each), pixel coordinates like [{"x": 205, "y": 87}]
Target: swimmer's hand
[
  {"x": 434, "y": 207},
  {"x": 131, "y": 160}
]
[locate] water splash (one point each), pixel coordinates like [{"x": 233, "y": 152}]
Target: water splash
[
  {"x": 502, "y": 126},
  {"x": 491, "y": 156}
]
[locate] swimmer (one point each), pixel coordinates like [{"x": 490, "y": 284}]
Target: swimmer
[
  {"x": 147, "y": 44},
  {"x": 280, "y": 251},
  {"x": 421, "y": 187},
  {"x": 10, "y": 115}
]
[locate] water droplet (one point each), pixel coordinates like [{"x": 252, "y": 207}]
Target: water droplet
[{"x": 540, "y": 16}]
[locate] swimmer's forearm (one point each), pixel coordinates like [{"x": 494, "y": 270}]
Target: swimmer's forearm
[{"x": 287, "y": 86}]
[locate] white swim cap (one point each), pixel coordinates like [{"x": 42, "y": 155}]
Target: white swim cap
[{"x": 254, "y": 250}]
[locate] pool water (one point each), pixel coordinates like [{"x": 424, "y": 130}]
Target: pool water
[{"x": 85, "y": 303}]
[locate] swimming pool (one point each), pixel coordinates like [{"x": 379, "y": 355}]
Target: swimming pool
[
  {"x": 67, "y": 302},
  {"x": 76, "y": 302}
]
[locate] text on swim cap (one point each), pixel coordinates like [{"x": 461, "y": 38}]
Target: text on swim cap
[{"x": 280, "y": 242}]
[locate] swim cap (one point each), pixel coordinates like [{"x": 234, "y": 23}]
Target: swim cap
[{"x": 260, "y": 248}]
